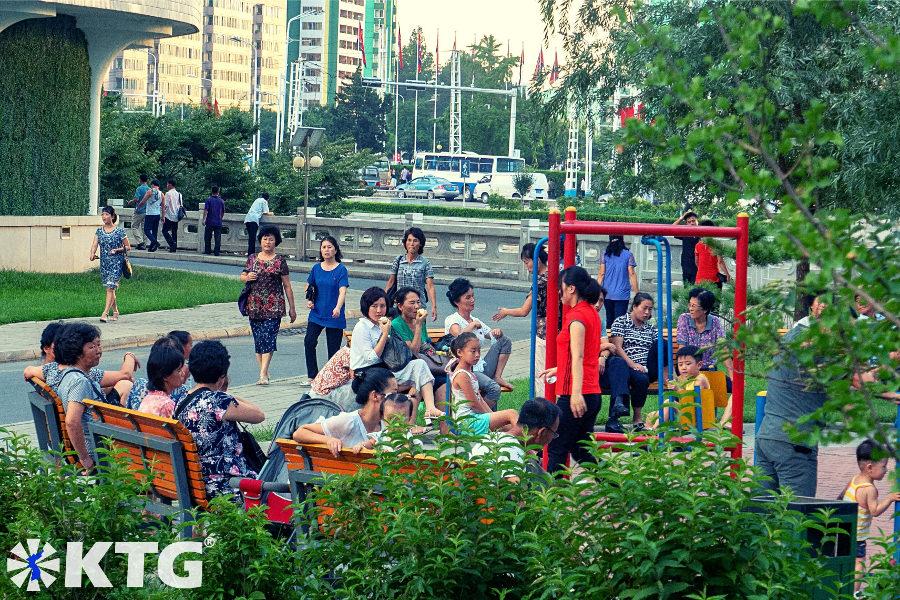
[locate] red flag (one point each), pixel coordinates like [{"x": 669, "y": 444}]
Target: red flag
[
  {"x": 419, "y": 52},
  {"x": 540, "y": 63},
  {"x": 399, "y": 47},
  {"x": 521, "y": 62},
  {"x": 629, "y": 112},
  {"x": 362, "y": 44},
  {"x": 554, "y": 72},
  {"x": 216, "y": 107},
  {"x": 454, "y": 41},
  {"x": 437, "y": 55}
]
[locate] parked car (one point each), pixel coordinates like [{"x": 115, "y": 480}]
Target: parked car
[
  {"x": 369, "y": 177},
  {"x": 502, "y": 184},
  {"x": 430, "y": 187}
]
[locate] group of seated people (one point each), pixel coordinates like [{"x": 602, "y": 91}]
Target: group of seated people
[{"x": 184, "y": 381}]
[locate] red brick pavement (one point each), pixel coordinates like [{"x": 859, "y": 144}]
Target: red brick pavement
[{"x": 837, "y": 464}]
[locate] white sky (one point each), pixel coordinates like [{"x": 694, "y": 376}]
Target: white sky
[{"x": 518, "y": 21}]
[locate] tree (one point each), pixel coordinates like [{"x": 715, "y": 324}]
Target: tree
[
  {"x": 732, "y": 114},
  {"x": 359, "y": 112}
]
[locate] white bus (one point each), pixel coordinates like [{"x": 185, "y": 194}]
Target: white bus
[{"x": 447, "y": 165}]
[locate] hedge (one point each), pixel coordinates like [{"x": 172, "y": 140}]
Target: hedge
[
  {"x": 616, "y": 215},
  {"x": 45, "y": 105}
]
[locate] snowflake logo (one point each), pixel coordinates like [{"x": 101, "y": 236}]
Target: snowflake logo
[{"x": 36, "y": 565}]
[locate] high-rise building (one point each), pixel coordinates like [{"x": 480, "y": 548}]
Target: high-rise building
[
  {"x": 324, "y": 50},
  {"x": 214, "y": 65}
]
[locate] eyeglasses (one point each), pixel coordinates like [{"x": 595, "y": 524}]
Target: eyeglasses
[{"x": 555, "y": 433}]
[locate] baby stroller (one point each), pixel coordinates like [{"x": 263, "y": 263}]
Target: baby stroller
[{"x": 271, "y": 488}]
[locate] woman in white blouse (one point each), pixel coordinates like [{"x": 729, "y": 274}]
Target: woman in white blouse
[
  {"x": 489, "y": 369},
  {"x": 353, "y": 429},
  {"x": 369, "y": 338}
]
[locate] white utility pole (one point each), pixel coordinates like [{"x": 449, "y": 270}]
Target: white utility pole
[{"x": 455, "y": 145}]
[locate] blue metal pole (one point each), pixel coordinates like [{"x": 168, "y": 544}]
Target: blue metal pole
[
  {"x": 534, "y": 294},
  {"x": 897, "y": 504},
  {"x": 660, "y": 348},
  {"x": 760, "y": 412},
  {"x": 669, "y": 340}
]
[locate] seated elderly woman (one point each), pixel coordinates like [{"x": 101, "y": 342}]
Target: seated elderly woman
[
  {"x": 212, "y": 415},
  {"x": 183, "y": 340},
  {"x": 489, "y": 369},
  {"x": 370, "y": 335},
  {"x": 78, "y": 346},
  {"x": 116, "y": 385}
]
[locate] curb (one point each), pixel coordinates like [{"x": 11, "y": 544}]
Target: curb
[{"x": 147, "y": 339}]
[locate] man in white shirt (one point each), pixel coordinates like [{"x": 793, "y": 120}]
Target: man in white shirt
[
  {"x": 259, "y": 208},
  {"x": 171, "y": 203}
]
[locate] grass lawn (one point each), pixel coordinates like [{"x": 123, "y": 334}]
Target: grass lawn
[{"x": 45, "y": 296}]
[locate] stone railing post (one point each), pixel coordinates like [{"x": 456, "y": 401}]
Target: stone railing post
[
  {"x": 301, "y": 232},
  {"x": 200, "y": 209}
]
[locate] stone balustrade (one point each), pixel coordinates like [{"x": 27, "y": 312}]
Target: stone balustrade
[{"x": 489, "y": 248}]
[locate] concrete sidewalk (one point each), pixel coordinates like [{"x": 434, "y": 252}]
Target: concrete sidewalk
[{"x": 21, "y": 341}]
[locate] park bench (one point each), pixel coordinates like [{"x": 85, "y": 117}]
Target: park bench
[
  {"x": 50, "y": 423},
  {"x": 159, "y": 446}
]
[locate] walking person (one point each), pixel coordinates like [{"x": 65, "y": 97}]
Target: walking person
[
  {"x": 259, "y": 208},
  {"x": 154, "y": 200},
  {"x": 213, "y": 213},
  {"x": 270, "y": 284},
  {"x": 330, "y": 281},
  {"x": 578, "y": 376},
  {"x": 112, "y": 244},
  {"x": 173, "y": 202},
  {"x": 688, "y": 246},
  {"x": 617, "y": 274},
  {"x": 140, "y": 211},
  {"x": 413, "y": 270}
]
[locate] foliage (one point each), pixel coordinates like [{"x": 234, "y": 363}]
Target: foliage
[
  {"x": 656, "y": 524},
  {"x": 500, "y": 202},
  {"x": 200, "y": 151},
  {"x": 45, "y": 86},
  {"x": 44, "y": 296},
  {"x": 597, "y": 214},
  {"x": 745, "y": 119},
  {"x": 522, "y": 182},
  {"x": 359, "y": 113}
]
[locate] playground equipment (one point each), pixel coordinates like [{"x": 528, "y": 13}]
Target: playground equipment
[{"x": 652, "y": 234}]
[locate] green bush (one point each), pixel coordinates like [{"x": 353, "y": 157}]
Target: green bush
[
  {"x": 45, "y": 85},
  {"x": 498, "y": 202},
  {"x": 596, "y": 214},
  {"x": 522, "y": 182}
]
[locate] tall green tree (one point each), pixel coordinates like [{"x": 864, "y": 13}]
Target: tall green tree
[{"x": 359, "y": 112}]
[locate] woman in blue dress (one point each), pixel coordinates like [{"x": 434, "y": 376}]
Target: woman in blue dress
[
  {"x": 330, "y": 279},
  {"x": 112, "y": 244}
]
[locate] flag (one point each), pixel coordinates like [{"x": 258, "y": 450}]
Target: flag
[
  {"x": 399, "y": 47},
  {"x": 540, "y": 63},
  {"x": 554, "y": 72},
  {"x": 521, "y": 62},
  {"x": 454, "y": 41},
  {"x": 216, "y": 107},
  {"x": 437, "y": 55},
  {"x": 419, "y": 52},
  {"x": 362, "y": 44},
  {"x": 507, "y": 49}
]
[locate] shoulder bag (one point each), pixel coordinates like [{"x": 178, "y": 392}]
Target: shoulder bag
[
  {"x": 245, "y": 293},
  {"x": 396, "y": 354},
  {"x": 127, "y": 271},
  {"x": 180, "y": 214},
  {"x": 392, "y": 291},
  {"x": 437, "y": 363}
]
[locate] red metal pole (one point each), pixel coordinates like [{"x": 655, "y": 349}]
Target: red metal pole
[
  {"x": 740, "y": 308},
  {"x": 571, "y": 240},
  {"x": 638, "y": 229},
  {"x": 552, "y": 298}
]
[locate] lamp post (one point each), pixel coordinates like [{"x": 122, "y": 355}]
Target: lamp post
[
  {"x": 254, "y": 90},
  {"x": 282, "y": 80},
  {"x": 155, "y": 104},
  {"x": 307, "y": 138}
]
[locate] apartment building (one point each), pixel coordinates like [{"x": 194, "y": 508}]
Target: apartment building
[{"x": 215, "y": 64}]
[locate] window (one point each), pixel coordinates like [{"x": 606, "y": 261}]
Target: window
[
  {"x": 418, "y": 164},
  {"x": 509, "y": 165},
  {"x": 443, "y": 163}
]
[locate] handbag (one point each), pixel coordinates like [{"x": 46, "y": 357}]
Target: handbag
[
  {"x": 253, "y": 452},
  {"x": 127, "y": 271},
  {"x": 312, "y": 292},
  {"x": 245, "y": 293},
  {"x": 180, "y": 214},
  {"x": 437, "y": 363},
  {"x": 396, "y": 354}
]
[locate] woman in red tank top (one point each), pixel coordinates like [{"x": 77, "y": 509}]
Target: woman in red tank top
[{"x": 578, "y": 375}]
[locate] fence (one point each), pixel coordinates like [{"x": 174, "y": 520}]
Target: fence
[{"x": 489, "y": 248}]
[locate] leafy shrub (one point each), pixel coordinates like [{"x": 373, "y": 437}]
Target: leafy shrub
[
  {"x": 539, "y": 205},
  {"x": 522, "y": 182},
  {"x": 498, "y": 202}
]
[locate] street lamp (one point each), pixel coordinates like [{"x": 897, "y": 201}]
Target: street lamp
[
  {"x": 254, "y": 105},
  {"x": 307, "y": 137},
  {"x": 282, "y": 79},
  {"x": 155, "y": 106}
]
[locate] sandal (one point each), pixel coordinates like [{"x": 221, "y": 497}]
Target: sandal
[
  {"x": 263, "y": 381},
  {"x": 104, "y": 318},
  {"x": 115, "y": 316}
]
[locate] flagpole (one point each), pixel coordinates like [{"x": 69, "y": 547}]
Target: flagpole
[
  {"x": 437, "y": 45},
  {"x": 396, "y": 102}
]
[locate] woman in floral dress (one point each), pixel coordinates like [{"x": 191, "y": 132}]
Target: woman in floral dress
[
  {"x": 270, "y": 283},
  {"x": 112, "y": 244}
]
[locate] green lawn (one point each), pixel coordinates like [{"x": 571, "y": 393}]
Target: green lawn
[{"x": 46, "y": 296}]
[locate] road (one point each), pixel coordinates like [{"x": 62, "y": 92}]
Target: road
[
  {"x": 434, "y": 202},
  {"x": 289, "y": 361}
]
